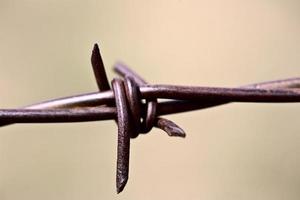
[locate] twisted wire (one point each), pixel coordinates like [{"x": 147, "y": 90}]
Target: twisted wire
[{"x": 123, "y": 102}]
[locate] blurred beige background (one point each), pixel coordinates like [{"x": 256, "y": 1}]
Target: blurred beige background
[{"x": 237, "y": 151}]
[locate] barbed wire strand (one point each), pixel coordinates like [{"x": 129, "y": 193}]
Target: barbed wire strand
[{"x": 124, "y": 104}]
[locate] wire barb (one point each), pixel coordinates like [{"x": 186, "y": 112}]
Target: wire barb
[{"x": 124, "y": 104}]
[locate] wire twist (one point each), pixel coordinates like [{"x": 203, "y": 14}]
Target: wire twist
[{"x": 124, "y": 103}]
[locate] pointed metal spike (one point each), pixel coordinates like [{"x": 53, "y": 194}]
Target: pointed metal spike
[
  {"x": 99, "y": 70},
  {"x": 170, "y": 127},
  {"x": 124, "y": 130}
]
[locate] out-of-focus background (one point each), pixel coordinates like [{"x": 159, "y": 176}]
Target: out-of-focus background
[{"x": 237, "y": 151}]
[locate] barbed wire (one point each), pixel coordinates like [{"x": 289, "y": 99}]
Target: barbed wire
[{"x": 133, "y": 104}]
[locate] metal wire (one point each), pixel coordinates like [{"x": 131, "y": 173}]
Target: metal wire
[{"x": 124, "y": 104}]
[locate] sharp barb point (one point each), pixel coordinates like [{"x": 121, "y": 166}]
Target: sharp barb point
[
  {"x": 121, "y": 183},
  {"x": 99, "y": 70},
  {"x": 170, "y": 127}
]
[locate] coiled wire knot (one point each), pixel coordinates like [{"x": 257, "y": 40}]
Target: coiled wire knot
[
  {"x": 141, "y": 116},
  {"x": 143, "y": 121}
]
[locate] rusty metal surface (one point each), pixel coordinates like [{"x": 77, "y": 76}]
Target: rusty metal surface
[{"x": 124, "y": 103}]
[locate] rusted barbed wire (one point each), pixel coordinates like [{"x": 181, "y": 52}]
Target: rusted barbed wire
[{"x": 133, "y": 104}]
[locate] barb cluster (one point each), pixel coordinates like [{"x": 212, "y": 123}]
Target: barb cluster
[
  {"x": 130, "y": 118},
  {"x": 133, "y": 104}
]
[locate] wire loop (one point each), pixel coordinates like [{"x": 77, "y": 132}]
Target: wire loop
[
  {"x": 135, "y": 103},
  {"x": 133, "y": 99}
]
